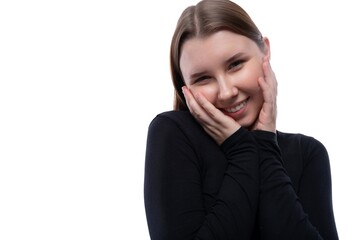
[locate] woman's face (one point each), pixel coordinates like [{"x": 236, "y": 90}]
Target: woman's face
[{"x": 225, "y": 68}]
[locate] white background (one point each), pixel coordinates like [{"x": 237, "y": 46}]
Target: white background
[{"x": 81, "y": 80}]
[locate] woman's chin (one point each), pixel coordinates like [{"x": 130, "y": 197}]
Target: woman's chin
[{"x": 249, "y": 124}]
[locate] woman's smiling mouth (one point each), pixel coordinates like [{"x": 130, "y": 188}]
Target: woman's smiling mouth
[{"x": 237, "y": 107}]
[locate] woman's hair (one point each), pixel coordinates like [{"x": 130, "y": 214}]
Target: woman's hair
[{"x": 202, "y": 20}]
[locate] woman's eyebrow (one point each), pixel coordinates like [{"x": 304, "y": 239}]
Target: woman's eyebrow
[{"x": 234, "y": 57}]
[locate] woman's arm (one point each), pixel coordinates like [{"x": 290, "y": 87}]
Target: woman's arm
[
  {"x": 315, "y": 190},
  {"x": 281, "y": 213},
  {"x": 173, "y": 186}
]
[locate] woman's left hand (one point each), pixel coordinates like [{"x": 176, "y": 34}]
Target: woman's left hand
[
  {"x": 268, "y": 84},
  {"x": 215, "y": 123}
]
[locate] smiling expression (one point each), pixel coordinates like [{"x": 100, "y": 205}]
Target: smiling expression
[{"x": 225, "y": 68}]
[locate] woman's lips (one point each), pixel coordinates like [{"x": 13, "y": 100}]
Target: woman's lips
[
  {"x": 236, "y": 111},
  {"x": 236, "y": 107}
]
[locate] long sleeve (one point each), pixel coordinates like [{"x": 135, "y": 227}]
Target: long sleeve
[
  {"x": 282, "y": 213},
  {"x": 173, "y": 186},
  {"x": 315, "y": 190}
]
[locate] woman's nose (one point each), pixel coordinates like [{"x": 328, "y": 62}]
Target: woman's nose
[{"x": 227, "y": 89}]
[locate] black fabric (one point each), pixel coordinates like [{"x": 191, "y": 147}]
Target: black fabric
[{"x": 256, "y": 185}]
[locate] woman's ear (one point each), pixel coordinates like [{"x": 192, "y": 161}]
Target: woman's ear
[{"x": 267, "y": 47}]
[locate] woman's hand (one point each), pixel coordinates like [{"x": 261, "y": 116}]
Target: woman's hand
[
  {"x": 268, "y": 84},
  {"x": 215, "y": 123}
]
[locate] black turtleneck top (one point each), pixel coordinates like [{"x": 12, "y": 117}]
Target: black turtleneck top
[{"x": 256, "y": 185}]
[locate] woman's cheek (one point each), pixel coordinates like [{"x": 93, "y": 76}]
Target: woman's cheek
[
  {"x": 205, "y": 90},
  {"x": 252, "y": 79}
]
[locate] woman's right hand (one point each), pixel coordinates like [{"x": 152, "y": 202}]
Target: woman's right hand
[{"x": 215, "y": 123}]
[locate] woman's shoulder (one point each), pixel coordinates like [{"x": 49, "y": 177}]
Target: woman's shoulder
[
  {"x": 182, "y": 121},
  {"x": 179, "y": 118},
  {"x": 306, "y": 145},
  {"x": 178, "y": 125},
  {"x": 176, "y": 116},
  {"x": 299, "y": 138}
]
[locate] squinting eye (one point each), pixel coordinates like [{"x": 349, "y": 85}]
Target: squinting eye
[
  {"x": 200, "y": 79},
  {"x": 235, "y": 64}
]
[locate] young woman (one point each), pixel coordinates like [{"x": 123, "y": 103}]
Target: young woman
[{"x": 216, "y": 167}]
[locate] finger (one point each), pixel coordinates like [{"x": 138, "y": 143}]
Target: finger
[
  {"x": 269, "y": 75},
  {"x": 267, "y": 68},
  {"x": 266, "y": 89},
  {"x": 190, "y": 100},
  {"x": 222, "y": 126},
  {"x": 215, "y": 123},
  {"x": 269, "y": 94},
  {"x": 226, "y": 123},
  {"x": 210, "y": 109},
  {"x": 195, "y": 108}
]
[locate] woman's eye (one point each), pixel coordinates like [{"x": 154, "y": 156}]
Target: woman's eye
[
  {"x": 200, "y": 79},
  {"x": 235, "y": 64}
]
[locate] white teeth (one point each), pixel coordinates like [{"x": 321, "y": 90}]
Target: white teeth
[{"x": 237, "y": 108}]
